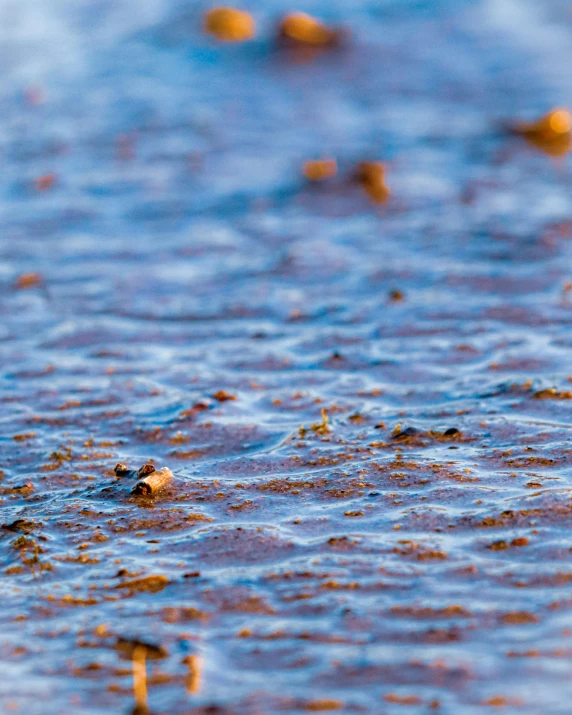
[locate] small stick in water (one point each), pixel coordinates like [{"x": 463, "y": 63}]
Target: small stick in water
[
  {"x": 153, "y": 483},
  {"x": 193, "y": 682},
  {"x": 139, "y": 653},
  {"x": 140, "y": 676}
]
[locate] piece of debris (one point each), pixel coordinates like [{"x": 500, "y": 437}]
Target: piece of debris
[
  {"x": 320, "y": 169},
  {"x": 300, "y": 29},
  {"x": 151, "y": 584},
  {"x": 371, "y": 175},
  {"x": 396, "y": 296},
  {"x": 405, "y": 435},
  {"x": 25, "y": 489},
  {"x": 452, "y": 434},
  {"x": 45, "y": 182},
  {"x": 500, "y": 545},
  {"x": 122, "y": 470},
  {"x": 147, "y": 468},
  {"x": 126, "y": 647},
  {"x": 553, "y": 394},
  {"x": 23, "y": 526},
  {"x": 139, "y": 653},
  {"x": 193, "y": 680},
  {"x": 29, "y": 280},
  {"x": 150, "y": 485},
  {"x": 223, "y": 396},
  {"x": 552, "y": 133},
  {"x": 322, "y": 427},
  {"x": 229, "y": 24}
]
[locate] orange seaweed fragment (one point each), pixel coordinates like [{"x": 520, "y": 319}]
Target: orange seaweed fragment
[
  {"x": 322, "y": 427},
  {"x": 323, "y": 705},
  {"x": 29, "y": 280},
  {"x": 45, "y": 182},
  {"x": 229, "y": 24},
  {"x": 519, "y": 617},
  {"x": 371, "y": 175},
  {"x": 223, "y": 396},
  {"x": 552, "y": 133},
  {"x": 302, "y": 29},
  {"x": 320, "y": 169},
  {"x": 499, "y": 701},
  {"x": 150, "y": 584},
  {"x": 402, "y": 700}
]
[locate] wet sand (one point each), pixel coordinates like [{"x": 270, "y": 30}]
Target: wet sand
[{"x": 366, "y": 408}]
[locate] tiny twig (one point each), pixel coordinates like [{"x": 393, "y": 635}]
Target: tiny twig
[
  {"x": 193, "y": 682},
  {"x": 140, "y": 676}
]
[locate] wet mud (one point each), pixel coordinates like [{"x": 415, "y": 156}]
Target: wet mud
[{"x": 365, "y": 406}]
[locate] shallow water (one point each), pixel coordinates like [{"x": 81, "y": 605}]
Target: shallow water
[{"x": 348, "y": 568}]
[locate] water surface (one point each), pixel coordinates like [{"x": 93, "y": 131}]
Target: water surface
[{"x": 350, "y": 568}]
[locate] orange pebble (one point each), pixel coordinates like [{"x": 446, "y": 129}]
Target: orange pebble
[
  {"x": 29, "y": 280},
  {"x": 230, "y": 25},
  {"x": 306, "y": 30},
  {"x": 552, "y": 133},
  {"x": 45, "y": 182},
  {"x": 551, "y": 126},
  {"x": 320, "y": 170},
  {"x": 371, "y": 175}
]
